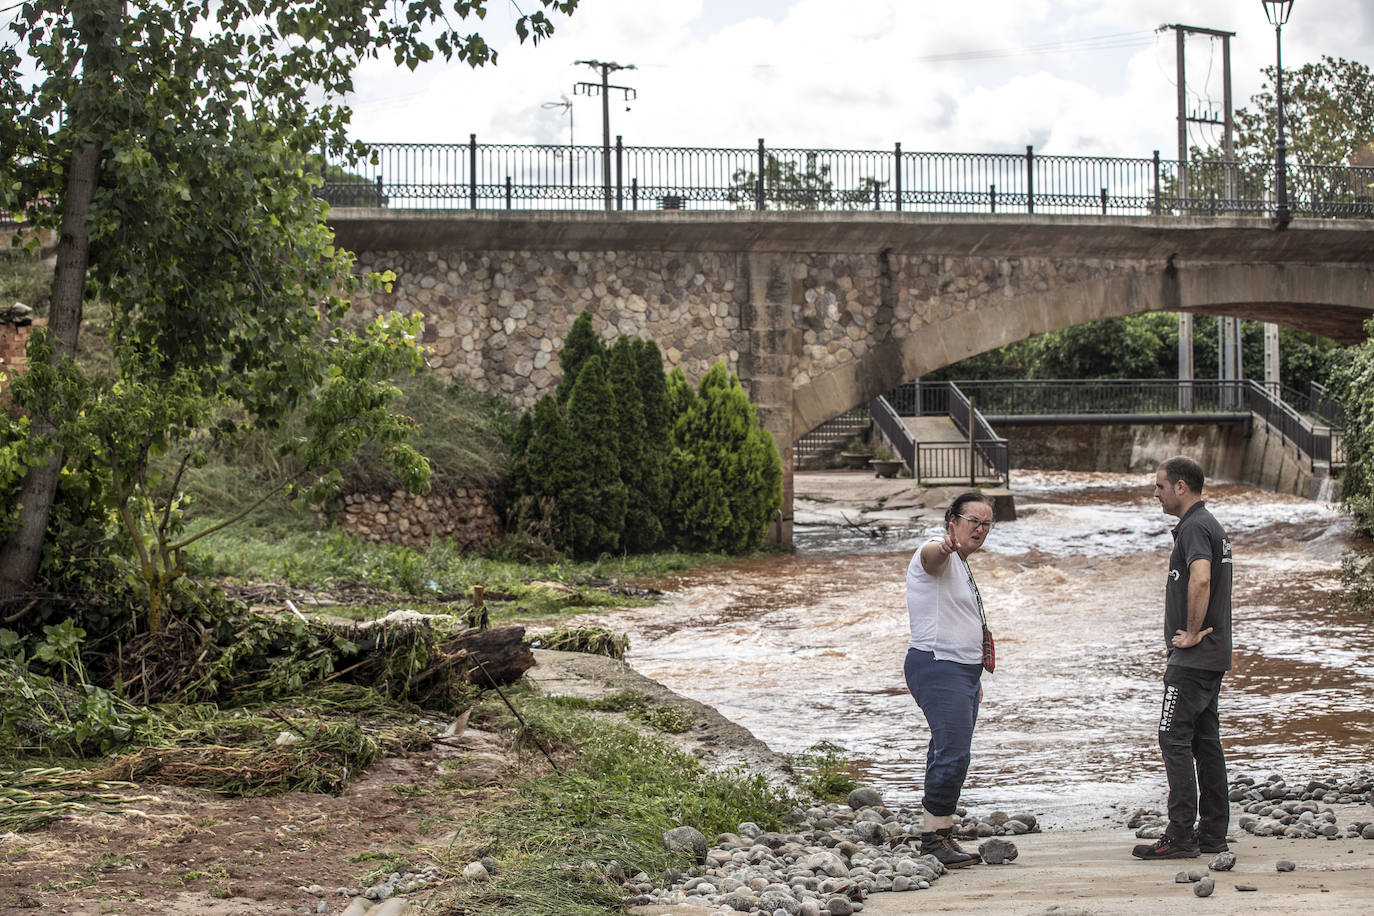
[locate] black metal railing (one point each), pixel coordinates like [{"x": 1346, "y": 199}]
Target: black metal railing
[
  {"x": 554, "y": 177},
  {"x": 894, "y": 431},
  {"x": 1055, "y": 400},
  {"x": 1324, "y": 405},
  {"x": 829, "y": 436},
  {"x": 948, "y": 460},
  {"x": 1058, "y": 397}
]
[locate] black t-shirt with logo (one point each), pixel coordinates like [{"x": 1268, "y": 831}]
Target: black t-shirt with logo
[{"x": 1198, "y": 536}]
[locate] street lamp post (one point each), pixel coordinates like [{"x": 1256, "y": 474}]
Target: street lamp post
[{"x": 1277, "y": 11}]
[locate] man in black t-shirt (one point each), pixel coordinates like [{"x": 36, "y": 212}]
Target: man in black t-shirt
[{"x": 1197, "y": 639}]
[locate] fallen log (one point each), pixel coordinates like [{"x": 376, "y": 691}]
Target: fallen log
[{"x": 502, "y": 652}]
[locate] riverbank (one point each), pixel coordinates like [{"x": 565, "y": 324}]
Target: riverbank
[
  {"x": 1074, "y": 872},
  {"x": 189, "y": 852}
]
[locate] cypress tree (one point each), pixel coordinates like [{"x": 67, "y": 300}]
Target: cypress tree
[
  {"x": 643, "y": 530},
  {"x": 653, "y": 391},
  {"x": 727, "y": 476},
  {"x": 518, "y": 484},
  {"x": 543, "y": 475},
  {"x": 580, "y": 345},
  {"x": 593, "y": 502}
]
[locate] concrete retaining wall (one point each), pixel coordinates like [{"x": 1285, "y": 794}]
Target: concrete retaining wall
[{"x": 1264, "y": 458}]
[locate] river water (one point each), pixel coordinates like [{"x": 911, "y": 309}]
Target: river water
[{"x": 807, "y": 647}]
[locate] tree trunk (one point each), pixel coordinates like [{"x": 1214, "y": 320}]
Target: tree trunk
[{"x": 24, "y": 547}]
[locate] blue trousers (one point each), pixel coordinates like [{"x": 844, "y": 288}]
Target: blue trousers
[{"x": 947, "y": 693}]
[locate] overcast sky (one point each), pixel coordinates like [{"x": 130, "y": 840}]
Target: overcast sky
[{"x": 1073, "y": 77}]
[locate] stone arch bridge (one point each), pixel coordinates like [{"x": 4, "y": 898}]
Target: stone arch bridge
[{"x": 820, "y": 312}]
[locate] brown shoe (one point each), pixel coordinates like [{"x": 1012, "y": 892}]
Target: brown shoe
[{"x": 942, "y": 846}]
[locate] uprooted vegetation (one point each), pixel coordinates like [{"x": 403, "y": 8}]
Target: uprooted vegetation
[{"x": 255, "y": 704}]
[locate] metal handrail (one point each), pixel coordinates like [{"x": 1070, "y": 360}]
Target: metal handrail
[
  {"x": 556, "y": 177},
  {"x": 898, "y": 437},
  {"x": 1156, "y": 398}
]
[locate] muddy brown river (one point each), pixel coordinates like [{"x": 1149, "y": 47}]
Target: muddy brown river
[{"x": 808, "y": 647}]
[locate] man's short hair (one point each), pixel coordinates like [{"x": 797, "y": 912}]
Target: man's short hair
[{"x": 1186, "y": 470}]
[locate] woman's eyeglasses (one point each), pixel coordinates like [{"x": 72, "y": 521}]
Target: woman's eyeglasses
[{"x": 977, "y": 523}]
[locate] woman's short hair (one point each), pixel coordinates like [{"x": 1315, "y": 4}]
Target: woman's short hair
[{"x": 962, "y": 500}]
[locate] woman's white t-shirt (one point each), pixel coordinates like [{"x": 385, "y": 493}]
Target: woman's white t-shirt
[{"x": 944, "y": 611}]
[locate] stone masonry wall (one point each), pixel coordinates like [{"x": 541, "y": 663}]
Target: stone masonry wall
[
  {"x": 461, "y": 514},
  {"x": 498, "y": 318}
]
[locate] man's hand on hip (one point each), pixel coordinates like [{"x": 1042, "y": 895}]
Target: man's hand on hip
[{"x": 1185, "y": 640}]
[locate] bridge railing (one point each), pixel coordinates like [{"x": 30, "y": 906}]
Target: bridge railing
[
  {"x": 1158, "y": 398},
  {"x": 1049, "y": 397},
  {"x": 890, "y": 424},
  {"x": 554, "y": 177}
]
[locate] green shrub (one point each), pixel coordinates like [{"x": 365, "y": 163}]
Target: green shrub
[
  {"x": 727, "y": 476},
  {"x": 593, "y": 503},
  {"x": 643, "y": 530},
  {"x": 580, "y": 345}
]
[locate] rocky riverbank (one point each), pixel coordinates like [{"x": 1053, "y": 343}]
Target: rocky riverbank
[{"x": 861, "y": 858}]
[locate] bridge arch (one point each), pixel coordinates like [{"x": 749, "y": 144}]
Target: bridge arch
[{"x": 1331, "y": 300}]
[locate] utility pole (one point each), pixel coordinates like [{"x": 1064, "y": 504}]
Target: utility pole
[
  {"x": 604, "y": 87},
  {"x": 1228, "y": 329}
]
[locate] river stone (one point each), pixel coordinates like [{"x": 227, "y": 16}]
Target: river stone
[
  {"x": 1368, "y": 832},
  {"x": 1182, "y": 878},
  {"x": 750, "y": 830},
  {"x": 826, "y": 863},
  {"x": 839, "y": 906},
  {"x": 868, "y": 831},
  {"x": 864, "y": 798},
  {"x": 997, "y": 852},
  {"x": 1204, "y": 887},
  {"x": 809, "y": 908},
  {"x": 739, "y": 901},
  {"x": 1246, "y": 887},
  {"x": 1222, "y": 861},
  {"x": 1284, "y": 865},
  {"x": 689, "y": 840}
]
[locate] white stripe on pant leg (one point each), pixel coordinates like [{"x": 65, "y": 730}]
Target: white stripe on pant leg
[{"x": 1166, "y": 716}]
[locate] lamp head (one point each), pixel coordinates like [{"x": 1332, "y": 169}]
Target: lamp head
[{"x": 1277, "y": 10}]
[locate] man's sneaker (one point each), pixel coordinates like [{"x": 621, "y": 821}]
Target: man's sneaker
[
  {"x": 1212, "y": 844},
  {"x": 1166, "y": 847},
  {"x": 942, "y": 846}
]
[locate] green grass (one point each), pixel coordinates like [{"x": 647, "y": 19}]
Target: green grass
[
  {"x": 619, "y": 792},
  {"x": 439, "y": 579},
  {"x": 25, "y": 279},
  {"x": 825, "y": 772}
]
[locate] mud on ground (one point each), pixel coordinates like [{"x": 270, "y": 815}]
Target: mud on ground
[{"x": 188, "y": 851}]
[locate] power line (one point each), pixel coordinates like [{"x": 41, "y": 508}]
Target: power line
[{"x": 1094, "y": 43}]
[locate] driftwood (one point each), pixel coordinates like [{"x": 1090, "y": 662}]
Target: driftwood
[{"x": 503, "y": 655}]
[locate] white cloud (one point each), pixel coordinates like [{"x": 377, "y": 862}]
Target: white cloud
[{"x": 1084, "y": 77}]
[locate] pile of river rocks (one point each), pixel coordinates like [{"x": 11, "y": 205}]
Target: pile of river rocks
[
  {"x": 829, "y": 860},
  {"x": 1273, "y": 807}
]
